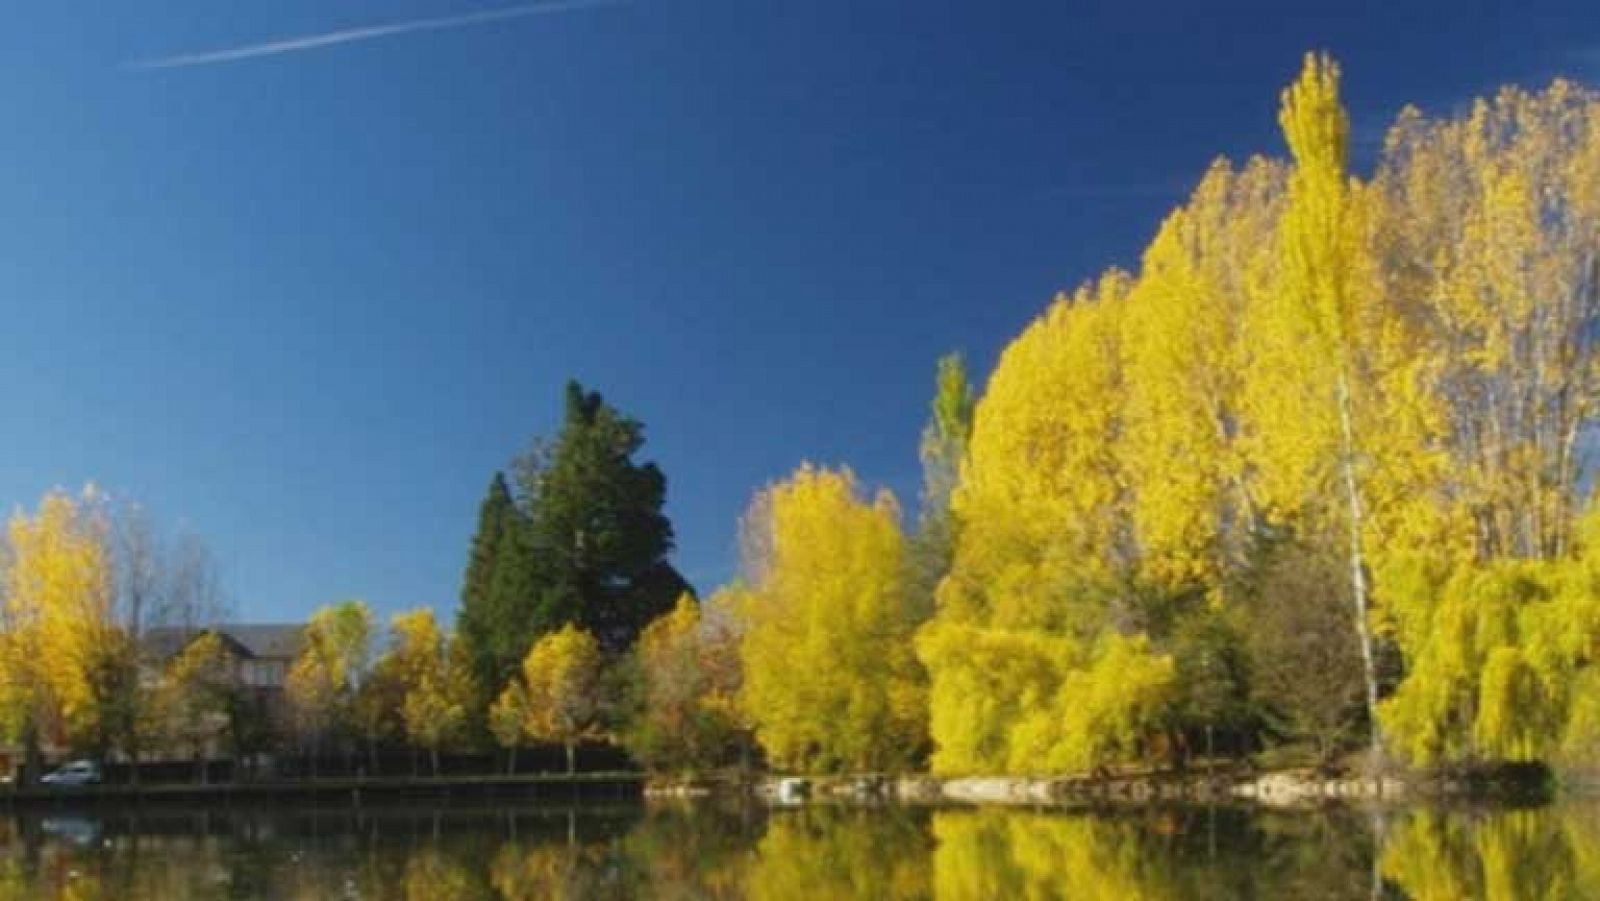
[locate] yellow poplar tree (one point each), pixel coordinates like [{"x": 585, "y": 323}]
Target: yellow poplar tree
[
  {"x": 1318, "y": 314},
  {"x": 1191, "y": 509},
  {"x": 1040, "y": 498},
  {"x": 830, "y": 679}
]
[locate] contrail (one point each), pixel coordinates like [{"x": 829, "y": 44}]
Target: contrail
[{"x": 365, "y": 33}]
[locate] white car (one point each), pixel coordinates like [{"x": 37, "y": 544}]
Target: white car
[{"x": 78, "y": 772}]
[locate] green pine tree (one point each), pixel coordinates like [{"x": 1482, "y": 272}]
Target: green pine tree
[
  {"x": 483, "y": 618},
  {"x": 583, "y": 540},
  {"x": 596, "y": 527}
]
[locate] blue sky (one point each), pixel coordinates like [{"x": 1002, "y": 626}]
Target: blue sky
[{"x": 307, "y": 301}]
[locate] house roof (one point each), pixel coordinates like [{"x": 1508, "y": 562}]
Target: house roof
[{"x": 270, "y": 640}]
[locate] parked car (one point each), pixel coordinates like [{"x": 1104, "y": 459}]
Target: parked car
[
  {"x": 78, "y": 772},
  {"x": 77, "y": 830}
]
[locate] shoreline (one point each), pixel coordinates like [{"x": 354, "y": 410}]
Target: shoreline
[
  {"x": 1286, "y": 788},
  {"x": 1296, "y": 787},
  {"x": 609, "y": 785}
]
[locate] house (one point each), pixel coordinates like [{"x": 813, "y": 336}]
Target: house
[
  {"x": 262, "y": 652},
  {"x": 259, "y": 657}
]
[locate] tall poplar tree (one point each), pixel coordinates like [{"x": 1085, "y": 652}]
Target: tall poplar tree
[{"x": 1319, "y": 261}]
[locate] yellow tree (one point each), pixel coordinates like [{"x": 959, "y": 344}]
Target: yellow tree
[
  {"x": 1042, "y": 473},
  {"x": 561, "y": 679},
  {"x": 60, "y": 634},
  {"x": 376, "y": 711},
  {"x": 1491, "y": 221},
  {"x": 508, "y": 716},
  {"x": 830, "y": 679},
  {"x": 1035, "y": 614},
  {"x": 1321, "y": 245},
  {"x": 326, "y": 675},
  {"x": 433, "y": 685},
  {"x": 195, "y": 695},
  {"x": 677, "y": 715},
  {"x": 434, "y": 712},
  {"x": 1192, "y": 514}
]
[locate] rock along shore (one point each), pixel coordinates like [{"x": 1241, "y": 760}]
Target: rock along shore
[{"x": 1283, "y": 788}]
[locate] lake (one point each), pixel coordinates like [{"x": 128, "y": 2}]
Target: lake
[{"x": 715, "y": 851}]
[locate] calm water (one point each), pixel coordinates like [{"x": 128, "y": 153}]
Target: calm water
[{"x": 708, "y": 851}]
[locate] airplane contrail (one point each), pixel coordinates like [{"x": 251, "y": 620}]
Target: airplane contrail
[{"x": 365, "y": 33}]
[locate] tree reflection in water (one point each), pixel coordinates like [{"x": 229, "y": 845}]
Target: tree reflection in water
[{"x": 709, "y": 851}]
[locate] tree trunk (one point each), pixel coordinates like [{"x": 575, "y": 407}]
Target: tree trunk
[
  {"x": 372, "y": 756},
  {"x": 433, "y": 754},
  {"x": 571, "y": 758},
  {"x": 1378, "y": 831},
  {"x": 32, "y": 759},
  {"x": 511, "y": 761},
  {"x": 1358, "y": 565}
]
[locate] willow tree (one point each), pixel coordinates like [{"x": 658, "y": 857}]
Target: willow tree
[{"x": 830, "y": 681}]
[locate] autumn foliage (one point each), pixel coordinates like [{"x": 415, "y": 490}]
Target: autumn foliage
[{"x": 1314, "y": 472}]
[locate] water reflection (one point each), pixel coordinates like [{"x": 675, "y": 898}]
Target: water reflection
[
  {"x": 725, "y": 852},
  {"x": 1524, "y": 854}
]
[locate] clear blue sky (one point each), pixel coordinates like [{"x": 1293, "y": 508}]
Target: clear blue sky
[{"x": 307, "y": 301}]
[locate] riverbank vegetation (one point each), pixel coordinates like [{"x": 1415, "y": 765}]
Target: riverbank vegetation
[{"x": 1316, "y": 475}]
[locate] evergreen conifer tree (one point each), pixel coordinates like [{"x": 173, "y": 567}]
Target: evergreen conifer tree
[
  {"x": 482, "y": 618},
  {"x": 597, "y": 528},
  {"x": 583, "y": 540}
]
